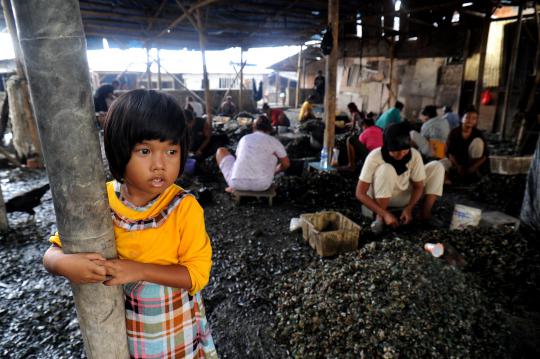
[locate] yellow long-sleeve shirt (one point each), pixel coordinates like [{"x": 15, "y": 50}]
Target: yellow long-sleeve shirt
[{"x": 171, "y": 231}]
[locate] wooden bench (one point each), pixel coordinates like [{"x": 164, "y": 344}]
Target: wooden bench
[{"x": 270, "y": 193}]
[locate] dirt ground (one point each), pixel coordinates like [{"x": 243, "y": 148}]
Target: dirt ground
[{"x": 253, "y": 250}]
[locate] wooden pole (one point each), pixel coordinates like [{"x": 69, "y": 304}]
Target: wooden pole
[
  {"x": 277, "y": 86},
  {"x": 159, "y": 84},
  {"x": 482, "y": 62},
  {"x": 298, "y": 77},
  {"x": 19, "y": 62},
  {"x": 54, "y": 49},
  {"x": 465, "y": 56},
  {"x": 148, "y": 72},
  {"x": 202, "y": 44},
  {"x": 304, "y": 72},
  {"x": 392, "y": 96},
  {"x": 331, "y": 80},
  {"x": 511, "y": 73},
  {"x": 241, "y": 88}
]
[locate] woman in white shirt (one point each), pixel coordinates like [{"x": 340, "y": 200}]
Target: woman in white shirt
[{"x": 395, "y": 176}]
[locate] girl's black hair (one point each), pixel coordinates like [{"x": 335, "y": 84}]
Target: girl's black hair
[{"x": 141, "y": 115}]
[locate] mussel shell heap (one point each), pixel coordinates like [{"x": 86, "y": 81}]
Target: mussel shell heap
[{"x": 390, "y": 299}]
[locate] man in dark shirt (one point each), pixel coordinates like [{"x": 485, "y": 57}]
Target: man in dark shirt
[{"x": 466, "y": 148}]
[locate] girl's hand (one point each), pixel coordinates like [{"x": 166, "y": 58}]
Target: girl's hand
[
  {"x": 82, "y": 268},
  {"x": 122, "y": 271}
]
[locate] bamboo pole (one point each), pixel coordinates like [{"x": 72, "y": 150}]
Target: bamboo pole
[
  {"x": 54, "y": 48},
  {"x": 511, "y": 73},
  {"x": 277, "y": 86},
  {"x": 202, "y": 44},
  {"x": 298, "y": 77},
  {"x": 19, "y": 62},
  {"x": 159, "y": 84},
  {"x": 331, "y": 80},
  {"x": 148, "y": 72},
  {"x": 241, "y": 90}
]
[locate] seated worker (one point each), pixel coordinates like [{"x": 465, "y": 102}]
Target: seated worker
[
  {"x": 394, "y": 175},
  {"x": 451, "y": 117},
  {"x": 276, "y": 116},
  {"x": 200, "y": 134},
  {"x": 358, "y": 147},
  {"x": 228, "y": 108},
  {"x": 306, "y": 112},
  {"x": 259, "y": 156},
  {"x": 104, "y": 96},
  {"x": 434, "y": 131},
  {"x": 356, "y": 116},
  {"x": 202, "y": 142},
  {"x": 466, "y": 149},
  {"x": 194, "y": 107},
  {"x": 390, "y": 116}
]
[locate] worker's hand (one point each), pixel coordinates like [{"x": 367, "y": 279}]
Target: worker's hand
[
  {"x": 390, "y": 219},
  {"x": 122, "y": 271},
  {"x": 406, "y": 215},
  {"x": 82, "y": 268}
]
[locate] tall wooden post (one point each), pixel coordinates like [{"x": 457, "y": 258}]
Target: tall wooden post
[
  {"x": 465, "y": 57},
  {"x": 26, "y": 109},
  {"x": 277, "y": 86},
  {"x": 202, "y": 44},
  {"x": 298, "y": 77},
  {"x": 331, "y": 79},
  {"x": 241, "y": 89},
  {"x": 511, "y": 73},
  {"x": 54, "y": 49},
  {"x": 392, "y": 86},
  {"x": 482, "y": 62},
  {"x": 159, "y": 84},
  {"x": 148, "y": 72}
]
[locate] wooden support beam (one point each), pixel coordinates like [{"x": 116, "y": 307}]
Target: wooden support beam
[
  {"x": 482, "y": 62},
  {"x": 26, "y": 110},
  {"x": 185, "y": 15},
  {"x": 241, "y": 87},
  {"x": 331, "y": 80},
  {"x": 153, "y": 19},
  {"x": 148, "y": 72},
  {"x": 511, "y": 73},
  {"x": 55, "y": 53},
  {"x": 159, "y": 84},
  {"x": 202, "y": 43},
  {"x": 298, "y": 77}
]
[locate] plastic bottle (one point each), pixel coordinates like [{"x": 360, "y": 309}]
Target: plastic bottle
[
  {"x": 335, "y": 157},
  {"x": 324, "y": 157}
]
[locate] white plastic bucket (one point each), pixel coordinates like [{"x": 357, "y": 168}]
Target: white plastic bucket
[{"x": 465, "y": 216}]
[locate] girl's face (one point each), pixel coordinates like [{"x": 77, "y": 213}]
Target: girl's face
[
  {"x": 152, "y": 168},
  {"x": 398, "y": 155}
]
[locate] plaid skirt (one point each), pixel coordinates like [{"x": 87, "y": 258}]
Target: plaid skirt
[{"x": 165, "y": 322}]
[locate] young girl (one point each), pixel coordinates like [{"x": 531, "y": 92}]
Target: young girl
[{"x": 164, "y": 251}]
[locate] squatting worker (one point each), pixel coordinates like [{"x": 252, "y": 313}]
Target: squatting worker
[
  {"x": 395, "y": 176},
  {"x": 258, "y": 157}
]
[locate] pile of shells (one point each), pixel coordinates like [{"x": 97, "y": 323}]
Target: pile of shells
[
  {"x": 493, "y": 190},
  {"x": 502, "y": 261},
  {"x": 388, "y": 300}
]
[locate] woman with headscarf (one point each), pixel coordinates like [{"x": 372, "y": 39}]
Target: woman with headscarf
[{"x": 395, "y": 176}]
